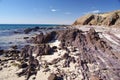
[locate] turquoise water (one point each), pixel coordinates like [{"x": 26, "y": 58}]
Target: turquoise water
[{"x": 22, "y": 26}]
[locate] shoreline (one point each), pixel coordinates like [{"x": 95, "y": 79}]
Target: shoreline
[{"x": 60, "y": 54}]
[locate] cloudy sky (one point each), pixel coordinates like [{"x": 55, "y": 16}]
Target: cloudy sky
[{"x": 51, "y": 11}]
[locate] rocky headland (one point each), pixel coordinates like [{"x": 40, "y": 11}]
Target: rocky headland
[{"x": 105, "y": 19}]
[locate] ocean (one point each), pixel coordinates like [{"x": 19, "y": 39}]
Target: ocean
[
  {"x": 9, "y": 38},
  {"x": 23, "y": 26}
]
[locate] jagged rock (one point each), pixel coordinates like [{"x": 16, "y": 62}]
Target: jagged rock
[
  {"x": 88, "y": 60},
  {"x": 44, "y": 49},
  {"x": 12, "y": 54},
  {"x": 41, "y": 38},
  {"x": 28, "y": 30},
  {"x": 31, "y": 69},
  {"x": 24, "y": 51},
  {"x": 68, "y": 36}
]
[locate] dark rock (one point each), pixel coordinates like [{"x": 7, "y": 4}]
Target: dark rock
[
  {"x": 12, "y": 62},
  {"x": 73, "y": 49},
  {"x": 24, "y": 51},
  {"x": 35, "y": 28},
  {"x": 31, "y": 69},
  {"x": 68, "y": 36},
  {"x": 13, "y": 54},
  {"x": 43, "y": 49},
  {"x": 52, "y": 77},
  {"x": 14, "y": 47},
  {"x": 1, "y": 52},
  {"x": 66, "y": 56},
  {"x": 1, "y": 68},
  {"x": 5, "y": 66},
  {"x": 26, "y": 37},
  {"x": 38, "y": 39},
  {"x": 17, "y": 32},
  {"x": 23, "y": 65},
  {"x": 28, "y": 30},
  {"x": 90, "y": 46},
  {"x": 41, "y": 38},
  {"x": 55, "y": 61},
  {"x": 46, "y": 70},
  {"x": 34, "y": 78},
  {"x": 10, "y": 42},
  {"x": 54, "y": 47},
  {"x": 2, "y": 64}
]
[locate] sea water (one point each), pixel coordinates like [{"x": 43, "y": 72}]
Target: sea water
[
  {"x": 23, "y": 26},
  {"x": 9, "y": 38}
]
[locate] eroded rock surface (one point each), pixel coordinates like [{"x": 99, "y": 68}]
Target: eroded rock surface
[
  {"x": 106, "y": 19},
  {"x": 69, "y": 54}
]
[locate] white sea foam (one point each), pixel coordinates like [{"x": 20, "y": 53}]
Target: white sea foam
[{"x": 8, "y": 38}]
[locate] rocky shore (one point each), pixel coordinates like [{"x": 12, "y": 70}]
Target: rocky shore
[{"x": 64, "y": 54}]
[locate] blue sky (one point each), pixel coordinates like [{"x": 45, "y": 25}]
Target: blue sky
[{"x": 51, "y": 11}]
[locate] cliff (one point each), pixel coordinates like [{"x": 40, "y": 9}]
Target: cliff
[{"x": 107, "y": 19}]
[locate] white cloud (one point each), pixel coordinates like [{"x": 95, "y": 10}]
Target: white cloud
[
  {"x": 68, "y": 13},
  {"x": 94, "y": 12},
  {"x": 53, "y": 10}
]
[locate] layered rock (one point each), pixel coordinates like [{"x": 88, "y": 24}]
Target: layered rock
[
  {"x": 80, "y": 56},
  {"x": 107, "y": 19}
]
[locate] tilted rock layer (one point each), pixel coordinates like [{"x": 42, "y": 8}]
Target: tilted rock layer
[
  {"x": 91, "y": 57},
  {"x": 108, "y": 19},
  {"x": 69, "y": 54}
]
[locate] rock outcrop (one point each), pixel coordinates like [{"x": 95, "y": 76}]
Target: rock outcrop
[
  {"x": 107, "y": 19},
  {"x": 79, "y": 56}
]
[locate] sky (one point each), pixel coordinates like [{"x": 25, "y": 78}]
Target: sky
[{"x": 51, "y": 11}]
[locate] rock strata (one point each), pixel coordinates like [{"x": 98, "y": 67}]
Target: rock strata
[
  {"x": 106, "y": 19},
  {"x": 78, "y": 55}
]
